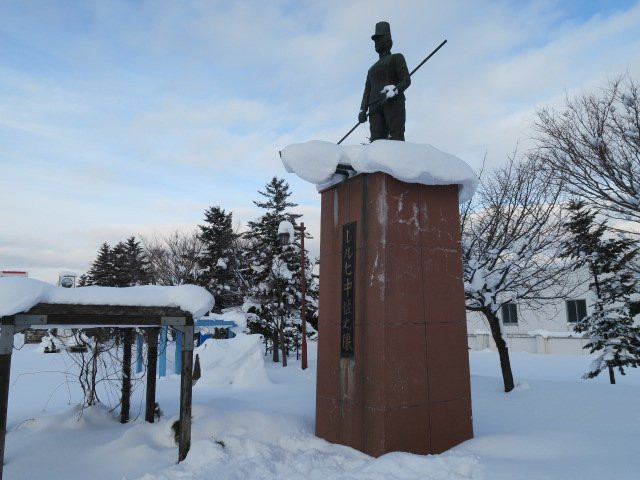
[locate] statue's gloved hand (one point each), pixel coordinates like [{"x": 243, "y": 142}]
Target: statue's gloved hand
[
  {"x": 390, "y": 91},
  {"x": 362, "y": 116}
]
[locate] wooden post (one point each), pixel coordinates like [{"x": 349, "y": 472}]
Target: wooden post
[
  {"x": 185, "y": 394},
  {"x": 6, "y": 348},
  {"x": 125, "y": 400},
  {"x": 152, "y": 362}
]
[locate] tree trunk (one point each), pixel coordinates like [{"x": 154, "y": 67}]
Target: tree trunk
[
  {"x": 503, "y": 351},
  {"x": 276, "y": 358},
  {"x": 598, "y": 308},
  {"x": 125, "y": 399},
  {"x": 93, "y": 395},
  {"x": 284, "y": 346}
]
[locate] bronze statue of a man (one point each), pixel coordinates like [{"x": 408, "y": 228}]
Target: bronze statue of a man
[{"x": 383, "y": 96}]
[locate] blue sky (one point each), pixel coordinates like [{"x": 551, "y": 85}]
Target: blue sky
[{"x": 122, "y": 118}]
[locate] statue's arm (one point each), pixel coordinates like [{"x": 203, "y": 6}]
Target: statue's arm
[
  {"x": 404, "y": 80},
  {"x": 365, "y": 96}
]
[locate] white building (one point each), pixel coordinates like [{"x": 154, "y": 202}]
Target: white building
[{"x": 545, "y": 330}]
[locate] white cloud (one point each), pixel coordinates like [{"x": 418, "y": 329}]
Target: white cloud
[{"x": 120, "y": 117}]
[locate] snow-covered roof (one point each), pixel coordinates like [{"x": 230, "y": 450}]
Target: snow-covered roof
[
  {"x": 316, "y": 161},
  {"x": 18, "y": 294}
]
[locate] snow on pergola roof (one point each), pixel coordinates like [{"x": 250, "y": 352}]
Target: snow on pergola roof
[
  {"x": 316, "y": 161},
  {"x": 19, "y": 294}
]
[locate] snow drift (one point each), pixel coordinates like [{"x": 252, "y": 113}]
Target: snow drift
[
  {"x": 18, "y": 294},
  {"x": 316, "y": 161},
  {"x": 238, "y": 362}
]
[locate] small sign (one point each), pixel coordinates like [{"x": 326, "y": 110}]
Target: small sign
[
  {"x": 347, "y": 310},
  {"x": 67, "y": 279}
]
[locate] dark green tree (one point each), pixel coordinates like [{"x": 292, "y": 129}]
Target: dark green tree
[
  {"x": 123, "y": 265},
  {"x": 611, "y": 324},
  {"x": 273, "y": 271},
  {"x": 102, "y": 270},
  {"x": 121, "y": 273},
  {"x": 219, "y": 260},
  {"x": 137, "y": 270}
]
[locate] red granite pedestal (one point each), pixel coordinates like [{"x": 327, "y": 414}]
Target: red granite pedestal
[{"x": 406, "y": 386}]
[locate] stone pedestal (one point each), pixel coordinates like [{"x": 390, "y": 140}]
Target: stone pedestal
[{"x": 404, "y": 386}]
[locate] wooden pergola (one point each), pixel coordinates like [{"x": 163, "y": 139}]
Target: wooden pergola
[{"x": 48, "y": 315}]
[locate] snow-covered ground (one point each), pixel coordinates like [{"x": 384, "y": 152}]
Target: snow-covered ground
[{"x": 255, "y": 420}]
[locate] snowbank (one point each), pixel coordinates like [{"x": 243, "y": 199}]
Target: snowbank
[
  {"x": 234, "y": 314},
  {"x": 549, "y": 427},
  {"x": 546, "y": 334},
  {"x": 316, "y": 161},
  {"x": 238, "y": 362},
  {"x": 18, "y": 294}
]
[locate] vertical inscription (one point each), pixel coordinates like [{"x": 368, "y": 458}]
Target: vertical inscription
[{"x": 347, "y": 310}]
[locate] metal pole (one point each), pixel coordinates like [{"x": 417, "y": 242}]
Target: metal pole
[
  {"x": 303, "y": 288},
  {"x": 350, "y": 132},
  {"x": 428, "y": 57}
]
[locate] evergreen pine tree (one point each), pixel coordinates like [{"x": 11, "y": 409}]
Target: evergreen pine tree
[
  {"x": 313, "y": 290},
  {"x": 102, "y": 270},
  {"x": 121, "y": 272},
  {"x": 138, "y": 270},
  {"x": 611, "y": 324},
  {"x": 219, "y": 260},
  {"x": 274, "y": 270},
  {"x": 124, "y": 265}
]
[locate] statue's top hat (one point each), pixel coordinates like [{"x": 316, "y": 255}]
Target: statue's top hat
[{"x": 382, "y": 29}]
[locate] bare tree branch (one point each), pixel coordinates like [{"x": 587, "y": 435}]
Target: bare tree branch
[
  {"x": 592, "y": 146},
  {"x": 511, "y": 236},
  {"x": 175, "y": 258}
]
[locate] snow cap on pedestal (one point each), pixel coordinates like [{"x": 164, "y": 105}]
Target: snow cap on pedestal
[{"x": 316, "y": 161}]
